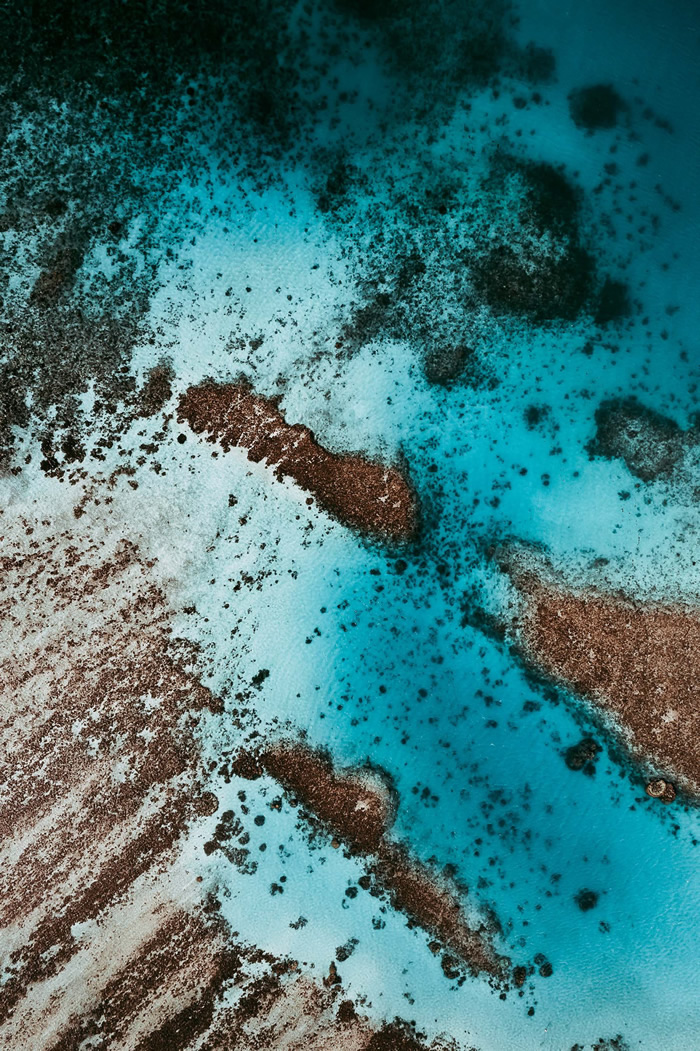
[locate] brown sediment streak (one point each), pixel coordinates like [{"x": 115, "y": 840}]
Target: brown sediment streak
[
  {"x": 289, "y": 1012},
  {"x": 371, "y": 497},
  {"x": 297, "y": 1014},
  {"x": 178, "y": 960},
  {"x": 98, "y": 777},
  {"x": 357, "y": 806},
  {"x": 636, "y": 661}
]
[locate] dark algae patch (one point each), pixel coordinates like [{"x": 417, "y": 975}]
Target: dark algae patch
[
  {"x": 651, "y": 445},
  {"x": 551, "y": 198},
  {"x": 596, "y": 108},
  {"x": 586, "y": 899},
  {"x": 439, "y": 49},
  {"x": 505, "y": 232}
]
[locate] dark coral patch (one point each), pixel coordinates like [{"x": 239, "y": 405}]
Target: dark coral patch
[
  {"x": 536, "y": 415},
  {"x": 395, "y": 1036},
  {"x": 613, "y": 302},
  {"x": 444, "y": 365},
  {"x": 596, "y": 108},
  {"x": 582, "y": 756},
  {"x": 586, "y": 899},
  {"x": 554, "y": 200},
  {"x": 650, "y": 444},
  {"x": 538, "y": 267},
  {"x": 543, "y": 286}
]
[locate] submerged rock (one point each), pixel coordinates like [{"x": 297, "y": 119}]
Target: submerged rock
[
  {"x": 582, "y": 756},
  {"x": 595, "y": 108},
  {"x": 650, "y": 444},
  {"x": 661, "y": 789}
]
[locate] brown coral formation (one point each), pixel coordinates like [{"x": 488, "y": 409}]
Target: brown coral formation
[
  {"x": 660, "y": 789},
  {"x": 434, "y": 902},
  {"x": 371, "y": 497},
  {"x": 635, "y": 660},
  {"x": 357, "y": 807}
]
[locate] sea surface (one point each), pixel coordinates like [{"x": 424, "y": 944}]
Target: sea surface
[{"x": 283, "y": 260}]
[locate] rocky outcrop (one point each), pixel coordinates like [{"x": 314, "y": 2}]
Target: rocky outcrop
[
  {"x": 660, "y": 789},
  {"x": 356, "y": 807},
  {"x": 635, "y": 661},
  {"x": 373, "y": 498}
]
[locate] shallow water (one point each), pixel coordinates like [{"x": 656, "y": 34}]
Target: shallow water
[{"x": 377, "y": 652}]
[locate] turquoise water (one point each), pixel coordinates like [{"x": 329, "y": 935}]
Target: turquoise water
[
  {"x": 378, "y": 653},
  {"x": 377, "y": 663}
]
